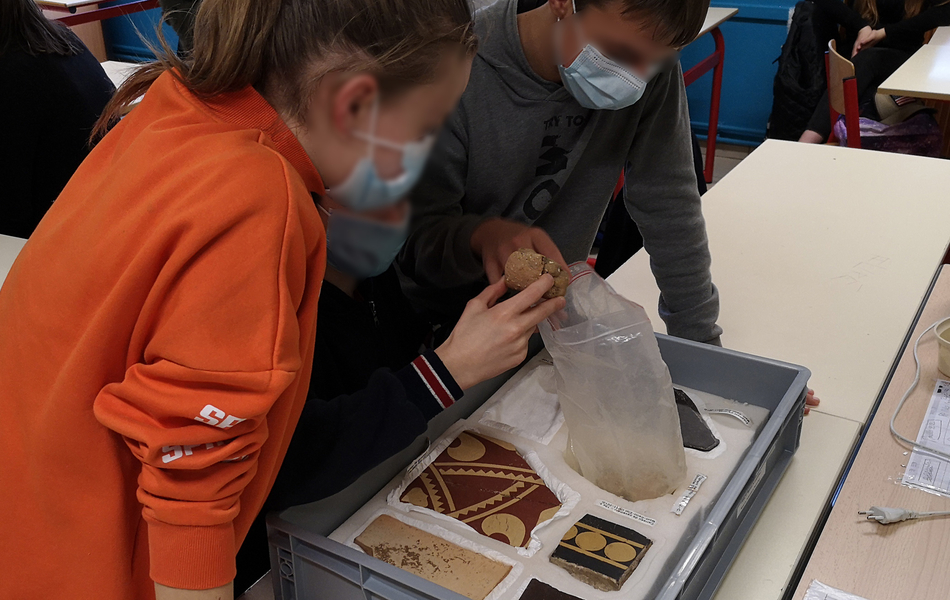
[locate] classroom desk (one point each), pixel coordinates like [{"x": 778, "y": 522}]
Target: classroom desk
[
  {"x": 118, "y": 71},
  {"x": 822, "y": 255},
  {"x": 9, "y": 248},
  {"x": 822, "y": 265},
  {"x": 904, "y": 560},
  {"x": 74, "y": 17},
  {"x": 941, "y": 37},
  {"x": 926, "y": 74},
  {"x": 70, "y": 5},
  {"x": 715, "y": 17}
]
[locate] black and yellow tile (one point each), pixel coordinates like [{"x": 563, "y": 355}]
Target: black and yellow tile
[{"x": 600, "y": 553}]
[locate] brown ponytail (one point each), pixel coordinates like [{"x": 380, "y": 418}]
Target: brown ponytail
[{"x": 283, "y": 47}]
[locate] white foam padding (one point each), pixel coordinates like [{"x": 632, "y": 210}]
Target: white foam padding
[{"x": 671, "y": 534}]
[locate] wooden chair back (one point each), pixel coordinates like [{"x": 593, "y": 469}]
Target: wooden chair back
[{"x": 843, "y": 93}]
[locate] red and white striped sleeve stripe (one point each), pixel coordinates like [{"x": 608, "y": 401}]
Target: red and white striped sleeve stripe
[{"x": 433, "y": 382}]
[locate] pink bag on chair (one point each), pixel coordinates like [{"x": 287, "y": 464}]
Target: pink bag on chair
[{"x": 919, "y": 135}]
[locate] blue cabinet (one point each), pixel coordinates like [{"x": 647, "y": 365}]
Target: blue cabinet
[
  {"x": 753, "y": 39},
  {"x": 124, "y": 35}
]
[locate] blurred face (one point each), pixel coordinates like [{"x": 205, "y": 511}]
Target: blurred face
[
  {"x": 346, "y": 109},
  {"x": 389, "y": 215},
  {"x": 418, "y": 113},
  {"x": 364, "y": 243},
  {"x": 621, "y": 38}
]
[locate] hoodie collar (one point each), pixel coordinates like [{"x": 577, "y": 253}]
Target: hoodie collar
[{"x": 248, "y": 108}]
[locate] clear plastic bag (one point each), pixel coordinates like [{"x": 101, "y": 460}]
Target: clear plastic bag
[{"x": 615, "y": 391}]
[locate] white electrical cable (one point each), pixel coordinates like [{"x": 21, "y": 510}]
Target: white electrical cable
[
  {"x": 886, "y": 515},
  {"x": 912, "y": 444}
]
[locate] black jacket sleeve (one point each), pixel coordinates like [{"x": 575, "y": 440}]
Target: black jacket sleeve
[
  {"x": 338, "y": 440},
  {"x": 842, "y": 14},
  {"x": 910, "y": 30}
]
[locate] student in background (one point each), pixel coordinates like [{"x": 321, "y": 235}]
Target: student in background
[
  {"x": 157, "y": 330},
  {"x": 52, "y": 94},
  {"x": 562, "y": 99},
  {"x": 879, "y": 36},
  {"x": 376, "y": 379},
  {"x": 180, "y": 14}
]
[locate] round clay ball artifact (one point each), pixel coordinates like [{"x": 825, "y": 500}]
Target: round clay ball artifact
[{"x": 524, "y": 267}]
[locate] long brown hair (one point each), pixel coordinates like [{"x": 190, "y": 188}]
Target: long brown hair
[
  {"x": 23, "y": 26},
  {"x": 868, "y": 9},
  {"x": 283, "y": 47}
]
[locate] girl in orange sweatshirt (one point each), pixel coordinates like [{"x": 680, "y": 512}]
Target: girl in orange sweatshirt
[{"x": 157, "y": 331}]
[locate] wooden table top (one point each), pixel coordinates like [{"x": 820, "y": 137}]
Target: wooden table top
[{"x": 902, "y": 560}]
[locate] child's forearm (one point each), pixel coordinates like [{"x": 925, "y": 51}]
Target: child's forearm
[{"x": 225, "y": 592}]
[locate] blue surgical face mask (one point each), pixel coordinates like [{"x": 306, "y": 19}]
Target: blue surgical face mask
[
  {"x": 362, "y": 247},
  {"x": 364, "y": 189},
  {"x": 597, "y": 82}
]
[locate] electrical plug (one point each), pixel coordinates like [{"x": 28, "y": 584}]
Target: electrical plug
[{"x": 885, "y": 515}]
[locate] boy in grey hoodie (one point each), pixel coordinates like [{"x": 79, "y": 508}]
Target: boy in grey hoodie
[{"x": 561, "y": 100}]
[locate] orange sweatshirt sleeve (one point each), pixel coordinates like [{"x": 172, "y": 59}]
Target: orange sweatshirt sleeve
[{"x": 221, "y": 345}]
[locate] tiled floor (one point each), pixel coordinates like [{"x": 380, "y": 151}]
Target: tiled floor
[{"x": 727, "y": 157}]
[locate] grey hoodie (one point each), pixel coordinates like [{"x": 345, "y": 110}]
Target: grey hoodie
[{"x": 522, "y": 148}]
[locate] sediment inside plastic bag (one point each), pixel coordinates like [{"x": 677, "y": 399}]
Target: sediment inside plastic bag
[{"x": 615, "y": 392}]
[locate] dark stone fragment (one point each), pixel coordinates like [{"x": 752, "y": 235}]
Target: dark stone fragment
[
  {"x": 538, "y": 590},
  {"x": 696, "y": 434}
]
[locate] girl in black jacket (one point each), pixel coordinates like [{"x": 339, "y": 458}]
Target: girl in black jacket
[
  {"x": 52, "y": 94},
  {"x": 879, "y": 36},
  {"x": 376, "y": 379}
]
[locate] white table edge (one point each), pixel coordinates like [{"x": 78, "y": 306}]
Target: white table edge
[
  {"x": 914, "y": 93},
  {"x": 725, "y": 15}
]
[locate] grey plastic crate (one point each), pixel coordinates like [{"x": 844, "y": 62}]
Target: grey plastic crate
[{"x": 306, "y": 565}]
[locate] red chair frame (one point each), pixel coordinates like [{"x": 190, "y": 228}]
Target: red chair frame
[
  {"x": 714, "y": 62},
  {"x": 851, "y": 111}
]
